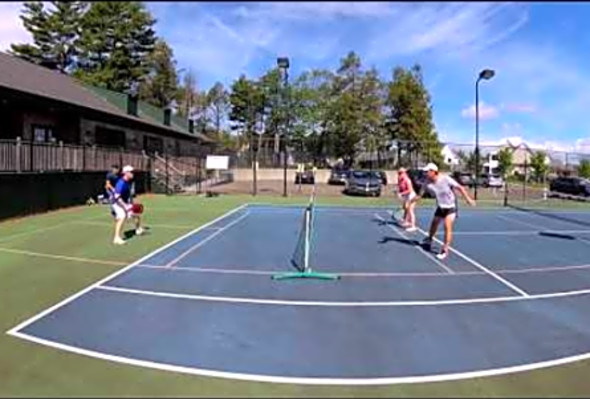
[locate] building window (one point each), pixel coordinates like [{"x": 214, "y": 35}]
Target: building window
[
  {"x": 43, "y": 134},
  {"x": 152, "y": 145},
  {"x": 106, "y": 137}
]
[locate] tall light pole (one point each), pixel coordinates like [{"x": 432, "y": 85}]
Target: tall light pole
[
  {"x": 283, "y": 64},
  {"x": 486, "y": 74}
]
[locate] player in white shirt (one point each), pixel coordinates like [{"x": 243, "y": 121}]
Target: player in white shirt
[{"x": 442, "y": 187}]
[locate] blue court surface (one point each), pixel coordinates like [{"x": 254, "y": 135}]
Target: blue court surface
[{"x": 513, "y": 295}]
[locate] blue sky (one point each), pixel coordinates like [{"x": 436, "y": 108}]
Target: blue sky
[{"x": 540, "y": 51}]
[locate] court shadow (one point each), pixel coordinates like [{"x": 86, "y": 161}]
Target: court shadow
[
  {"x": 405, "y": 241},
  {"x": 383, "y": 222},
  {"x": 556, "y": 235},
  {"x": 131, "y": 232}
]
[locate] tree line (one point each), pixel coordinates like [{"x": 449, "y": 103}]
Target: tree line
[
  {"x": 326, "y": 113},
  {"x": 336, "y": 114}
]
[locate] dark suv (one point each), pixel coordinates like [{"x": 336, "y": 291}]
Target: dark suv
[
  {"x": 339, "y": 176},
  {"x": 418, "y": 178},
  {"x": 571, "y": 185}
]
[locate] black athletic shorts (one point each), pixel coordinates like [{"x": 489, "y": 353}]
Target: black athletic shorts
[{"x": 444, "y": 212}]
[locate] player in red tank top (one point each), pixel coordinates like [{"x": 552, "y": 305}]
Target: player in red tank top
[{"x": 406, "y": 193}]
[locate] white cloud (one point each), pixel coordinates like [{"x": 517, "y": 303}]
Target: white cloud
[
  {"x": 486, "y": 112},
  {"x": 447, "y": 29},
  {"x": 520, "y": 108},
  {"x": 317, "y": 10},
  {"x": 11, "y": 26},
  {"x": 583, "y": 145}
]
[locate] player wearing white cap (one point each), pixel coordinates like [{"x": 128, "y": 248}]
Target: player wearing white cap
[
  {"x": 442, "y": 187},
  {"x": 121, "y": 205}
]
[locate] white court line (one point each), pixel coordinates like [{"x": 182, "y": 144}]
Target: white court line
[
  {"x": 306, "y": 380},
  {"x": 282, "y": 302},
  {"x": 29, "y": 232},
  {"x": 62, "y": 257},
  {"x": 196, "y": 269},
  {"x": 43, "y": 229},
  {"x": 481, "y": 267},
  {"x": 580, "y": 239},
  {"x": 518, "y": 232},
  {"x": 516, "y": 220},
  {"x": 417, "y": 247},
  {"x": 206, "y": 240},
  {"x": 246, "y": 272},
  {"x": 69, "y": 299},
  {"x": 167, "y": 226},
  {"x": 543, "y": 269}
]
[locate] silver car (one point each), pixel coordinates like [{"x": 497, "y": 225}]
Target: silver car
[
  {"x": 495, "y": 181},
  {"x": 362, "y": 182}
]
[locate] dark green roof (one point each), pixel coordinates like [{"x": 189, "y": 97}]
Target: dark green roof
[
  {"x": 145, "y": 111},
  {"x": 26, "y": 77}
]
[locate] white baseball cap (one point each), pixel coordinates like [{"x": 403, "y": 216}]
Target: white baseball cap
[
  {"x": 430, "y": 166},
  {"x": 128, "y": 169}
]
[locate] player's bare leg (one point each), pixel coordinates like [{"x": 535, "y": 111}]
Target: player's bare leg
[
  {"x": 138, "y": 228},
  {"x": 448, "y": 225},
  {"x": 118, "y": 229},
  {"x": 433, "y": 228},
  {"x": 405, "y": 207},
  {"x": 411, "y": 220}
]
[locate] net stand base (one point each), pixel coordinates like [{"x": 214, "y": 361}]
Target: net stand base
[{"x": 306, "y": 274}]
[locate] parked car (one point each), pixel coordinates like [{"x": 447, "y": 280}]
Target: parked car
[
  {"x": 571, "y": 185},
  {"x": 339, "y": 176},
  {"x": 493, "y": 181},
  {"x": 305, "y": 177},
  {"x": 418, "y": 178},
  {"x": 363, "y": 182},
  {"x": 383, "y": 177},
  {"x": 464, "y": 178}
]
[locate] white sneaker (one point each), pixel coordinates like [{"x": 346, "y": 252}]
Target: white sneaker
[
  {"x": 411, "y": 229},
  {"x": 442, "y": 255},
  {"x": 139, "y": 231},
  {"x": 119, "y": 241}
]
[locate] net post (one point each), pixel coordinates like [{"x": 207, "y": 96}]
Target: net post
[
  {"x": 305, "y": 272},
  {"x": 307, "y": 239}
]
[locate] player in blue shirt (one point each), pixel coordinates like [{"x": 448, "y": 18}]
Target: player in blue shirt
[{"x": 121, "y": 205}]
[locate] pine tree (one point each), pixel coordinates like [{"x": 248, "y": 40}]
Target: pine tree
[
  {"x": 311, "y": 98},
  {"x": 505, "y": 161},
  {"x": 116, "y": 38},
  {"x": 218, "y": 101},
  {"x": 160, "y": 86},
  {"x": 371, "y": 99},
  {"x": 55, "y": 34},
  {"x": 187, "y": 94},
  {"x": 344, "y": 112},
  {"x": 245, "y": 105},
  {"x": 409, "y": 116},
  {"x": 584, "y": 169},
  {"x": 539, "y": 165}
]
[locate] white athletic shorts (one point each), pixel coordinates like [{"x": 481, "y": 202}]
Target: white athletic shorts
[
  {"x": 118, "y": 212},
  {"x": 408, "y": 197}
]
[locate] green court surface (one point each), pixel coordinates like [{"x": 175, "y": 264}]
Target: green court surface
[{"x": 46, "y": 258}]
